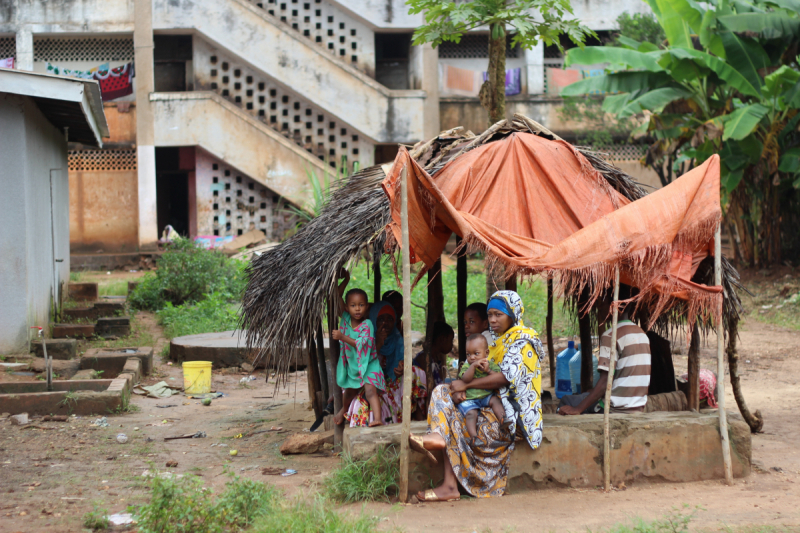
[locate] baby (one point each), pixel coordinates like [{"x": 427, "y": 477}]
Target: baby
[{"x": 478, "y": 366}]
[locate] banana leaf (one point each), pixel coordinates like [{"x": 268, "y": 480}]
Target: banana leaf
[
  {"x": 722, "y": 69},
  {"x": 743, "y": 121},
  {"x": 591, "y": 55},
  {"x": 675, "y": 27},
  {"x": 767, "y": 25},
  {"x": 745, "y": 56},
  {"x": 618, "y": 82}
]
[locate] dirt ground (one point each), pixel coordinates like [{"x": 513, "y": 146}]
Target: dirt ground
[{"x": 50, "y": 477}]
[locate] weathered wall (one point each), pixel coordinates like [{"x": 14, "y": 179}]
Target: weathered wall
[
  {"x": 385, "y": 14},
  {"x": 103, "y": 211},
  {"x": 54, "y": 16},
  {"x": 33, "y": 159},
  {"x": 121, "y": 124}
]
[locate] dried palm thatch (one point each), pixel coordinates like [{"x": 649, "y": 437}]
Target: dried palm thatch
[{"x": 288, "y": 286}]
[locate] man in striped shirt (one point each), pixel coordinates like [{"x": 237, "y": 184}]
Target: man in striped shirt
[{"x": 631, "y": 375}]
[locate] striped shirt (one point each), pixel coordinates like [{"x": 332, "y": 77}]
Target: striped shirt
[{"x": 632, "y": 372}]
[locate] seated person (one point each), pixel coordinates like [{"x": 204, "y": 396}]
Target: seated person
[
  {"x": 476, "y": 320},
  {"x": 441, "y": 345},
  {"x": 632, "y": 373},
  {"x": 395, "y": 299},
  {"x": 477, "y": 366}
]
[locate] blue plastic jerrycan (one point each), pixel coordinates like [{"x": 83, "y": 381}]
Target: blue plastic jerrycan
[{"x": 563, "y": 381}]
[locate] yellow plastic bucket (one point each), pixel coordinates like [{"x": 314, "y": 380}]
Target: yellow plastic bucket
[{"x": 197, "y": 377}]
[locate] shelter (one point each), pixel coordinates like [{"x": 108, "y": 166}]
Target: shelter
[
  {"x": 452, "y": 189},
  {"x": 38, "y": 115}
]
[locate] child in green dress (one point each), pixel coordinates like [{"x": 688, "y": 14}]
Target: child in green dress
[
  {"x": 358, "y": 361},
  {"x": 477, "y": 366}
]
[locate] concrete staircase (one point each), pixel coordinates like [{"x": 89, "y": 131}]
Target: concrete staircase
[{"x": 236, "y": 137}]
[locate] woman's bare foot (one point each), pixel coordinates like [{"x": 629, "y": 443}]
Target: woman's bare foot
[
  {"x": 375, "y": 423},
  {"x": 338, "y": 418},
  {"x": 442, "y": 493},
  {"x": 433, "y": 441}
]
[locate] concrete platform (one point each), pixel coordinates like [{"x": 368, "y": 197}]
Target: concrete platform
[
  {"x": 113, "y": 326},
  {"x": 72, "y": 331},
  {"x": 112, "y": 361},
  {"x": 82, "y": 292},
  {"x": 87, "y": 397},
  {"x": 661, "y": 446},
  {"x": 61, "y": 349}
]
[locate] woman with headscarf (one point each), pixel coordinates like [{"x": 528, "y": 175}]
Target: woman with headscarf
[
  {"x": 390, "y": 347},
  {"x": 482, "y": 469}
]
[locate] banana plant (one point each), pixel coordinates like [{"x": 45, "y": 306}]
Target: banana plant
[{"x": 725, "y": 80}]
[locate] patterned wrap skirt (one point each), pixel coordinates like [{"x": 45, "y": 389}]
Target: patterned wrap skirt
[{"x": 482, "y": 470}]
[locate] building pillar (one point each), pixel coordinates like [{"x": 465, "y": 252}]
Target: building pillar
[
  {"x": 424, "y": 74},
  {"x": 145, "y": 135},
  {"x": 534, "y": 63},
  {"x": 24, "y": 60}
]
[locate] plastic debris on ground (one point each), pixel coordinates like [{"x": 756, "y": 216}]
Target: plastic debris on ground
[
  {"x": 120, "y": 519},
  {"x": 159, "y": 390},
  {"x": 289, "y": 472},
  {"x": 208, "y": 395},
  {"x": 247, "y": 379},
  {"x": 168, "y": 405},
  {"x": 148, "y": 473},
  {"x": 122, "y": 438},
  {"x": 101, "y": 422}
]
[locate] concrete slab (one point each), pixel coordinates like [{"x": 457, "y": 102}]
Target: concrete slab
[
  {"x": 133, "y": 369},
  {"x": 110, "y": 307},
  {"x": 79, "y": 313},
  {"x": 60, "y": 349},
  {"x": 82, "y": 291},
  {"x": 88, "y": 397},
  {"x": 83, "y": 375},
  {"x": 112, "y": 361},
  {"x": 62, "y": 369},
  {"x": 113, "y": 326},
  {"x": 677, "y": 447},
  {"x": 224, "y": 349},
  {"x": 74, "y": 331}
]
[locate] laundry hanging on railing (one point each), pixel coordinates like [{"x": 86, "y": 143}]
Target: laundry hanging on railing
[
  {"x": 114, "y": 82},
  {"x": 7, "y": 62},
  {"x": 464, "y": 82},
  {"x": 513, "y": 81}
]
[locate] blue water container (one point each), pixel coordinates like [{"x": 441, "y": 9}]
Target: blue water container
[
  {"x": 575, "y": 371},
  {"x": 563, "y": 381}
]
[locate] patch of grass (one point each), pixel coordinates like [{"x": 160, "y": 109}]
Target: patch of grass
[
  {"x": 214, "y": 313},
  {"x": 70, "y": 401},
  {"x": 75, "y": 277},
  {"x": 165, "y": 353},
  {"x": 313, "y": 515},
  {"x": 113, "y": 287},
  {"x": 97, "y": 374},
  {"x": 96, "y": 519},
  {"x": 675, "y": 521},
  {"x": 371, "y": 479},
  {"x": 140, "y": 336},
  {"x": 533, "y": 294},
  {"x": 185, "y": 505}
]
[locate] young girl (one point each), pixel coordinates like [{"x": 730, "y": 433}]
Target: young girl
[{"x": 358, "y": 361}]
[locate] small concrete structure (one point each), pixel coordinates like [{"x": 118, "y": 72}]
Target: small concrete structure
[
  {"x": 82, "y": 397},
  {"x": 657, "y": 446},
  {"x": 113, "y": 326},
  {"x": 113, "y": 361},
  {"x": 59, "y": 349},
  {"x": 224, "y": 349},
  {"x": 82, "y": 292},
  {"x": 98, "y": 310},
  {"x": 37, "y": 114},
  {"x": 72, "y": 331}
]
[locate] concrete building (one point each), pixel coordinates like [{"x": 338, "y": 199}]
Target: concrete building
[
  {"x": 38, "y": 113},
  {"x": 235, "y": 102}
]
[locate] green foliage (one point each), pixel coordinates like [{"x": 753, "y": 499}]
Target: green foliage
[
  {"x": 641, "y": 27},
  {"x": 320, "y": 192},
  {"x": 723, "y": 83},
  {"x": 675, "y": 521},
  {"x": 184, "y": 505},
  {"x": 371, "y": 479},
  {"x": 532, "y": 21},
  {"x": 96, "y": 519},
  {"x": 212, "y": 314},
  {"x": 187, "y": 273}
]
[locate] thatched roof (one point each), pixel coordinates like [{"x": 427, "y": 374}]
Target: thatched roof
[{"x": 288, "y": 287}]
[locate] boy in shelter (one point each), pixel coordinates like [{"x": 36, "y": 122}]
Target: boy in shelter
[{"x": 477, "y": 366}]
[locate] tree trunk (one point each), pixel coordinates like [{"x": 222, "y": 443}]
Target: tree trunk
[
  {"x": 493, "y": 91},
  {"x": 461, "y": 295},
  {"x": 754, "y": 420}
]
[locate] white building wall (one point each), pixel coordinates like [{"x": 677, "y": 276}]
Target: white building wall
[{"x": 33, "y": 158}]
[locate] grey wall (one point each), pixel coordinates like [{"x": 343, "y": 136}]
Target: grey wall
[{"x": 33, "y": 162}]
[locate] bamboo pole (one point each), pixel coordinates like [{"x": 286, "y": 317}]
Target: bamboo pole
[
  {"x": 723, "y": 421},
  {"x": 406, "y": 337},
  {"x": 612, "y": 363},
  {"x": 551, "y": 356}
]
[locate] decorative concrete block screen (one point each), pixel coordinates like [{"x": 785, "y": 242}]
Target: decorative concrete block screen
[
  {"x": 101, "y": 160},
  {"x": 228, "y": 202},
  {"x": 83, "y": 49},
  {"x": 327, "y": 26},
  {"x": 296, "y": 118},
  {"x": 8, "y": 47},
  {"x": 473, "y": 46}
]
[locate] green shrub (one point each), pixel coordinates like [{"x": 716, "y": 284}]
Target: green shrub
[
  {"x": 313, "y": 515},
  {"x": 96, "y": 519},
  {"x": 186, "y": 273},
  {"x": 214, "y": 313},
  {"x": 372, "y": 479}
]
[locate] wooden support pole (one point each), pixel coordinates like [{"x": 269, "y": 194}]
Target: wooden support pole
[
  {"x": 435, "y": 312},
  {"x": 551, "y": 354},
  {"x": 323, "y": 366},
  {"x": 404, "y": 464},
  {"x": 585, "y": 331},
  {"x": 333, "y": 360},
  {"x": 694, "y": 369},
  {"x": 461, "y": 290},
  {"x": 511, "y": 283},
  {"x": 723, "y": 420},
  {"x": 607, "y": 402},
  {"x": 376, "y": 275},
  {"x": 312, "y": 373}
]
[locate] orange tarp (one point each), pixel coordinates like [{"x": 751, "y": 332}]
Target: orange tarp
[{"x": 538, "y": 205}]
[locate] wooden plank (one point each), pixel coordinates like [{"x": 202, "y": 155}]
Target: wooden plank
[
  {"x": 609, "y": 385},
  {"x": 585, "y": 331},
  {"x": 551, "y": 356},
  {"x": 404, "y": 464},
  {"x": 461, "y": 290},
  {"x": 723, "y": 416},
  {"x": 694, "y": 369}
]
